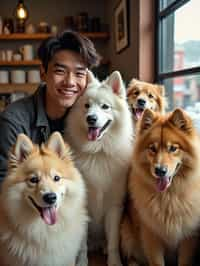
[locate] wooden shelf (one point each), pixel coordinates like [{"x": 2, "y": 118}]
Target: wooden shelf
[
  {"x": 96, "y": 35},
  {"x": 24, "y": 36},
  {"x": 35, "y": 62},
  {"x": 42, "y": 36},
  {"x": 15, "y": 87}
]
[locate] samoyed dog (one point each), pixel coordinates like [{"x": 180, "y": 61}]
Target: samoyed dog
[{"x": 99, "y": 130}]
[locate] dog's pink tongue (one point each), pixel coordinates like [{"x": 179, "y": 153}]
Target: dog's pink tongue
[
  {"x": 49, "y": 215},
  {"x": 138, "y": 113},
  {"x": 93, "y": 133},
  {"x": 162, "y": 183}
]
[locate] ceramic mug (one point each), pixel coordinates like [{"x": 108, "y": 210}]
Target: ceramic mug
[
  {"x": 18, "y": 76},
  {"x": 9, "y": 54},
  {"x": 33, "y": 76},
  {"x": 4, "y": 76},
  {"x": 2, "y": 55},
  {"x": 27, "y": 52},
  {"x": 17, "y": 57}
]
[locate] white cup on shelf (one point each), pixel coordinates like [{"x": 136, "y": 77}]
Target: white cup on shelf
[
  {"x": 27, "y": 52},
  {"x": 33, "y": 76},
  {"x": 18, "y": 76},
  {"x": 2, "y": 55},
  {"x": 17, "y": 57},
  {"x": 9, "y": 54},
  {"x": 4, "y": 76}
]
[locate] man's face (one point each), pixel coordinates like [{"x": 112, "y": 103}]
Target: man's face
[{"x": 66, "y": 78}]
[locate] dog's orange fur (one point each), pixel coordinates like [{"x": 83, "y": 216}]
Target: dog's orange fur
[
  {"x": 159, "y": 218},
  {"x": 152, "y": 95}
]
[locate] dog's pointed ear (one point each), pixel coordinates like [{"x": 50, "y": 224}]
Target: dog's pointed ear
[
  {"x": 161, "y": 90},
  {"x": 133, "y": 82},
  {"x": 56, "y": 144},
  {"x": 22, "y": 148},
  {"x": 181, "y": 120},
  {"x": 131, "y": 86},
  {"x": 91, "y": 79},
  {"x": 116, "y": 83},
  {"x": 163, "y": 103},
  {"x": 147, "y": 120}
]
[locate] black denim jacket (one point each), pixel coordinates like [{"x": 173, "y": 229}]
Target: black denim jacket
[{"x": 26, "y": 116}]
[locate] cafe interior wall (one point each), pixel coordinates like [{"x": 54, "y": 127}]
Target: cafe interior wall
[{"x": 54, "y": 12}]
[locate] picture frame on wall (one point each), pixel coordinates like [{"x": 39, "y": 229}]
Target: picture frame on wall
[{"x": 121, "y": 26}]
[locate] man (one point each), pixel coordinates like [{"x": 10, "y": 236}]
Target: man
[{"x": 65, "y": 60}]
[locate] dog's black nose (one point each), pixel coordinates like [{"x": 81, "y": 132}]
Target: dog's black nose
[
  {"x": 141, "y": 102},
  {"x": 91, "y": 119},
  {"x": 161, "y": 171},
  {"x": 50, "y": 198}
]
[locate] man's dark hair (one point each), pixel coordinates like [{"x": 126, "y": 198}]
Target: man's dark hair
[{"x": 68, "y": 40}]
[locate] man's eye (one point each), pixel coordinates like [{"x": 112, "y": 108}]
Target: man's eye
[
  {"x": 59, "y": 71},
  {"x": 80, "y": 74}
]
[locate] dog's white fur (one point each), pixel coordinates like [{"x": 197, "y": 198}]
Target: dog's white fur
[
  {"x": 104, "y": 162},
  {"x": 25, "y": 239}
]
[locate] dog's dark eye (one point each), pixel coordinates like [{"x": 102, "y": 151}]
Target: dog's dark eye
[
  {"x": 105, "y": 106},
  {"x": 136, "y": 93},
  {"x": 172, "y": 148},
  {"x": 87, "y": 105},
  {"x": 152, "y": 148},
  {"x": 34, "y": 179},
  {"x": 57, "y": 178},
  {"x": 150, "y": 95}
]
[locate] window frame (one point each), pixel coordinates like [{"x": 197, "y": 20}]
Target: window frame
[{"x": 160, "y": 15}]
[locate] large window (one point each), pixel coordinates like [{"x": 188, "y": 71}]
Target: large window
[{"x": 178, "y": 65}]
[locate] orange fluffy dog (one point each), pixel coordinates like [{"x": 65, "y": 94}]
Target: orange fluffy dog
[
  {"x": 142, "y": 95},
  {"x": 164, "y": 186}
]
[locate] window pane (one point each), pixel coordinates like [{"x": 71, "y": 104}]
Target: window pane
[
  {"x": 184, "y": 91},
  {"x": 180, "y": 45},
  {"x": 165, "y": 3}
]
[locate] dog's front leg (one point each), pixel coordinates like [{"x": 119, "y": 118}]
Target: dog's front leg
[
  {"x": 153, "y": 247},
  {"x": 112, "y": 222},
  {"x": 82, "y": 258},
  {"x": 186, "y": 251}
]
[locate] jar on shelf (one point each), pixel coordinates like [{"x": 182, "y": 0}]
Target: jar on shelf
[{"x": 8, "y": 26}]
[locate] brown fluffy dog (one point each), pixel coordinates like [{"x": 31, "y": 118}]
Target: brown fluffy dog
[
  {"x": 164, "y": 186},
  {"x": 142, "y": 95}
]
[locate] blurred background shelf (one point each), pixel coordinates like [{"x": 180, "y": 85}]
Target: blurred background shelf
[
  {"x": 42, "y": 36},
  {"x": 35, "y": 62},
  {"x": 15, "y": 87}
]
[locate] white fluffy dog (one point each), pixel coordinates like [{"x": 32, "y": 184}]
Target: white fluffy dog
[{"x": 99, "y": 129}]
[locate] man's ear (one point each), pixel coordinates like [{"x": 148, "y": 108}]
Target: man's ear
[{"x": 42, "y": 73}]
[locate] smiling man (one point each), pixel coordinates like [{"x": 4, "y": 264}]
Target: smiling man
[{"x": 65, "y": 60}]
